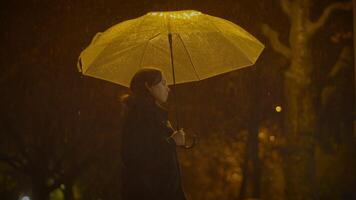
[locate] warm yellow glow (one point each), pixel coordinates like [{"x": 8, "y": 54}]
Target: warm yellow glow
[
  {"x": 272, "y": 138},
  {"x": 278, "y": 109},
  {"x": 144, "y": 41},
  {"x": 235, "y": 177},
  {"x": 63, "y": 187},
  {"x": 262, "y": 135},
  {"x": 177, "y": 14}
]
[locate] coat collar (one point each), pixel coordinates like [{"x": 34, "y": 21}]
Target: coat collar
[{"x": 151, "y": 106}]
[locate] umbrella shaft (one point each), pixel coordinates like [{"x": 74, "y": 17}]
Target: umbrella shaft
[{"x": 174, "y": 78}]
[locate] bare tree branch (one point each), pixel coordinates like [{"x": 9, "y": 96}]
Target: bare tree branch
[
  {"x": 344, "y": 60},
  {"x": 286, "y": 7},
  {"x": 314, "y": 26},
  {"x": 273, "y": 36},
  {"x": 329, "y": 89}
]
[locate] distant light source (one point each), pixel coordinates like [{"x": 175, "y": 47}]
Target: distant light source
[
  {"x": 278, "y": 109},
  {"x": 272, "y": 138},
  {"x": 234, "y": 177},
  {"x": 25, "y": 198},
  {"x": 262, "y": 135}
]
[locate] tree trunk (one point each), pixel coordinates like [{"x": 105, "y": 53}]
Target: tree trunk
[
  {"x": 301, "y": 114},
  {"x": 251, "y": 179},
  {"x": 300, "y": 128},
  {"x": 250, "y": 186},
  {"x": 300, "y": 122}
]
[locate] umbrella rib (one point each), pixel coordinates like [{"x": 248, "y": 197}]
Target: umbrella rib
[
  {"x": 190, "y": 59},
  {"x": 144, "y": 51},
  {"x": 116, "y": 55},
  {"x": 116, "y": 38},
  {"x": 139, "y": 32},
  {"x": 132, "y": 27},
  {"x": 218, "y": 29},
  {"x": 110, "y": 44}
]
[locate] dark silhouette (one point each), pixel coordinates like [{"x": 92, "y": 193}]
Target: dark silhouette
[{"x": 150, "y": 164}]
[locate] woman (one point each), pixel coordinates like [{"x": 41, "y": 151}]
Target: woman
[{"x": 150, "y": 164}]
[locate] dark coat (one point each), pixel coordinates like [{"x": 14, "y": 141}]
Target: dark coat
[{"x": 150, "y": 165}]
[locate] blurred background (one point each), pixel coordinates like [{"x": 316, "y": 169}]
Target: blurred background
[{"x": 281, "y": 129}]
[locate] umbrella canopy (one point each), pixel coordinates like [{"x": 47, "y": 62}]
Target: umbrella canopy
[{"x": 202, "y": 46}]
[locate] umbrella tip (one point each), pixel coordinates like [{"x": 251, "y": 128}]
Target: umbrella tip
[{"x": 79, "y": 65}]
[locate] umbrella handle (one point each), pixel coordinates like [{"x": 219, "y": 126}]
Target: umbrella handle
[
  {"x": 192, "y": 144},
  {"x": 186, "y": 146}
]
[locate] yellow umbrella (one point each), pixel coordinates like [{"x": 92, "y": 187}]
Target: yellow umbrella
[{"x": 200, "y": 45}]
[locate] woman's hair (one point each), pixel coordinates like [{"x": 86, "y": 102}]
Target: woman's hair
[{"x": 138, "y": 90}]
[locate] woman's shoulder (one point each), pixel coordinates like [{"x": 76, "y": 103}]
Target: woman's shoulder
[{"x": 138, "y": 113}]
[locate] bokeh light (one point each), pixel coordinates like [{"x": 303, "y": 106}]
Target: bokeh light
[
  {"x": 278, "y": 109},
  {"x": 25, "y": 198}
]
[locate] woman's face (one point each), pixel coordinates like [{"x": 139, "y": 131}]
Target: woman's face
[{"x": 160, "y": 90}]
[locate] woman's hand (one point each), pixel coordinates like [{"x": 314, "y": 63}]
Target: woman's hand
[{"x": 179, "y": 137}]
